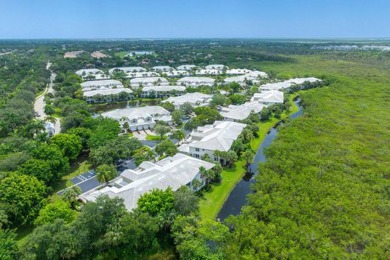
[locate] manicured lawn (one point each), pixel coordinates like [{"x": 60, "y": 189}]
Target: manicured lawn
[
  {"x": 212, "y": 201},
  {"x": 153, "y": 138}
]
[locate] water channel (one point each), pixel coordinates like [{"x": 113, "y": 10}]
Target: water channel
[{"x": 237, "y": 198}]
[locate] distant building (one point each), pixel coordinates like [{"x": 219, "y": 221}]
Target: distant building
[
  {"x": 127, "y": 69},
  {"x": 108, "y": 95},
  {"x": 210, "y": 138},
  {"x": 145, "y": 82},
  {"x": 187, "y": 67},
  {"x": 211, "y": 72},
  {"x": 161, "y": 68},
  {"x": 287, "y": 83},
  {"x": 172, "y": 172},
  {"x": 196, "y": 81},
  {"x": 237, "y": 113},
  {"x": 139, "y": 118},
  {"x": 177, "y": 73},
  {"x": 269, "y": 97},
  {"x": 101, "y": 84},
  {"x": 216, "y": 67},
  {"x": 237, "y": 71},
  {"x": 144, "y": 74},
  {"x": 194, "y": 99},
  {"x": 92, "y": 74},
  {"x": 241, "y": 80},
  {"x": 162, "y": 91}
]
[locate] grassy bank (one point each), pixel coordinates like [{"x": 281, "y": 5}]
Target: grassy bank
[{"x": 212, "y": 201}]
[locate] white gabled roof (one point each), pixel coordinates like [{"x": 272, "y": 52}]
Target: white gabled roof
[
  {"x": 89, "y": 71},
  {"x": 150, "y": 80},
  {"x": 102, "y": 83},
  {"x": 177, "y": 73},
  {"x": 195, "y": 80},
  {"x": 208, "y": 72},
  {"x": 241, "y": 112},
  {"x": 219, "y": 136},
  {"x": 171, "y": 172},
  {"x": 276, "y": 86},
  {"x": 257, "y": 74},
  {"x": 128, "y": 69},
  {"x": 238, "y": 79},
  {"x": 271, "y": 96},
  {"x": 161, "y": 68},
  {"x": 106, "y": 92},
  {"x": 186, "y": 67},
  {"x": 136, "y": 112},
  {"x": 215, "y": 66},
  {"x": 191, "y": 98},
  {"x": 303, "y": 80},
  {"x": 163, "y": 88},
  {"x": 287, "y": 83},
  {"x": 238, "y": 71}
]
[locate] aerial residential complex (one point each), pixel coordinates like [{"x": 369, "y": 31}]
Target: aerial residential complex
[
  {"x": 171, "y": 172},
  {"x": 210, "y": 138},
  {"x": 162, "y": 91},
  {"x": 196, "y": 81},
  {"x": 237, "y": 113},
  {"x": 194, "y": 99},
  {"x": 139, "y": 118}
]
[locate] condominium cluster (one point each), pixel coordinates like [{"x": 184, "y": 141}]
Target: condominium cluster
[
  {"x": 99, "y": 86},
  {"x": 184, "y": 167}
]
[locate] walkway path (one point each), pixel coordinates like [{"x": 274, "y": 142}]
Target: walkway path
[{"x": 39, "y": 105}]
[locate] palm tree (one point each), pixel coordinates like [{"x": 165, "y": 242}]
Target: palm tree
[
  {"x": 105, "y": 173},
  {"x": 248, "y": 155},
  {"x": 70, "y": 195}
]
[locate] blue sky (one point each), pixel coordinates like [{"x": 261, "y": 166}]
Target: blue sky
[{"x": 194, "y": 19}]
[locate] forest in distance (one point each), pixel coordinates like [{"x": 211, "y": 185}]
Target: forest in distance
[{"x": 322, "y": 193}]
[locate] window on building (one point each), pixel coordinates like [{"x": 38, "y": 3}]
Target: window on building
[
  {"x": 197, "y": 149},
  {"x": 196, "y": 155}
]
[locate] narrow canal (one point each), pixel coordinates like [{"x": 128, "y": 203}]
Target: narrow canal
[{"x": 237, "y": 198}]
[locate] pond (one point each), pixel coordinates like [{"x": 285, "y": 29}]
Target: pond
[{"x": 238, "y": 197}]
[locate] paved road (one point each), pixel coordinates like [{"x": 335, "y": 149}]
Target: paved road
[{"x": 39, "y": 105}]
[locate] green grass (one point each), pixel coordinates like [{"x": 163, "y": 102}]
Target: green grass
[
  {"x": 212, "y": 201},
  {"x": 153, "y": 138},
  {"x": 81, "y": 165}
]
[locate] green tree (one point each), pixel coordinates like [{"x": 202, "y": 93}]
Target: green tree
[
  {"x": 248, "y": 156},
  {"x": 52, "y": 154},
  {"x": 265, "y": 114},
  {"x": 83, "y": 133},
  {"x": 185, "y": 202},
  {"x": 105, "y": 173},
  {"x": 168, "y": 106},
  {"x": 177, "y": 116},
  {"x": 186, "y": 108},
  {"x": 161, "y": 130},
  {"x": 106, "y": 129},
  {"x": 41, "y": 169},
  {"x": 22, "y": 197},
  {"x": 8, "y": 245},
  {"x": 218, "y": 100},
  {"x": 69, "y": 144},
  {"x": 179, "y": 135},
  {"x": 143, "y": 154},
  {"x": 237, "y": 99},
  {"x": 166, "y": 147},
  {"x": 49, "y": 109},
  {"x": 71, "y": 194},
  {"x": 157, "y": 202},
  {"x": 53, "y": 211}
]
